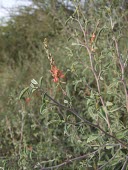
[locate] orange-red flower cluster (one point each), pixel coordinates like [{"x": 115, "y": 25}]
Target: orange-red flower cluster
[{"x": 56, "y": 73}]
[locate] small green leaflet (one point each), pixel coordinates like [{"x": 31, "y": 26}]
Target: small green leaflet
[
  {"x": 40, "y": 81},
  {"x": 33, "y": 81},
  {"x": 68, "y": 91},
  {"x": 66, "y": 101},
  {"x": 92, "y": 138},
  {"x": 23, "y": 92},
  {"x": 109, "y": 103},
  {"x": 43, "y": 106}
]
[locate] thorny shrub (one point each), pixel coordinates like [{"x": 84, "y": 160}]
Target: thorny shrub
[
  {"x": 83, "y": 117},
  {"x": 97, "y": 131}
]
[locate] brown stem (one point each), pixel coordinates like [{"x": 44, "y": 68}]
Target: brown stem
[{"x": 98, "y": 85}]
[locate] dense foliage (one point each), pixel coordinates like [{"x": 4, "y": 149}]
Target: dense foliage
[{"x": 64, "y": 98}]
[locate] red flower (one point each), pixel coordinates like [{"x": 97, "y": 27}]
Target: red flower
[
  {"x": 27, "y": 100},
  {"x": 56, "y": 73}
]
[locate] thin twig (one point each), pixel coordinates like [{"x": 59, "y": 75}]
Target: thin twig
[
  {"x": 98, "y": 84},
  {"x": 93, "y": 70},
  {"x": 97, "y": 81}
]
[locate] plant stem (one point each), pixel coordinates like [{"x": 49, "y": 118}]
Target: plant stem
[{"x": 98, "y": 85}]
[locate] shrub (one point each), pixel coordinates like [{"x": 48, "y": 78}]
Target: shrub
[{"x": 79, "y": 120}]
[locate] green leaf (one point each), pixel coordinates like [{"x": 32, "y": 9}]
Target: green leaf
[
  {"x": 92, "y": 138},
  {"x": 109, "y": 147},
  {"x": 76, "y": 83},
  {"x": 67, "y": 91},
  {"x": 107, "y": 66},
  {"x": 109, "y": 103},
  {"x": 23, "y": 92},
  {"x": 66, "y": 101},
  {"x": 33, "y": 81},
  {"x": 75, "y": 44},
  {"x": 101, "y": 162},
  {"x": 89, "y": 101},
  {"x": 40, "y": 81},
  {"x": 32, "y": 86},
  {"x": 102, "y": 113},
  {"x": 34, "y": 89},
  {"x": 120, "y": 135},
  {"x": 101, "y": 78},
  {"x": 42, "y": 108}
]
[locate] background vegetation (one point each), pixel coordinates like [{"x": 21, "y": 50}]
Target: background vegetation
[{"x": 81, "y": 121}]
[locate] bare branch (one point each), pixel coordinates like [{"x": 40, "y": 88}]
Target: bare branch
[{"x": 98, "y": 84}]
